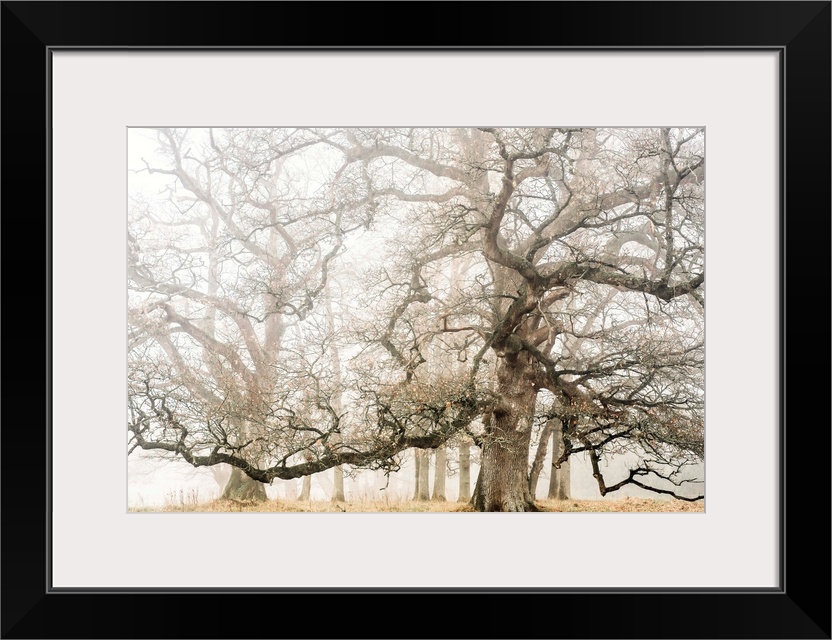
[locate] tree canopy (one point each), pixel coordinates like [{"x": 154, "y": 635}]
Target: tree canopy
[{"x": 301, "y": 299}]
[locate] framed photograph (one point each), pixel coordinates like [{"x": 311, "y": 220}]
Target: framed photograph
[{"x": 701, "y": 132}]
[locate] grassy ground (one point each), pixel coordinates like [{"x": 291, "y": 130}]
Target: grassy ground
[{"x": 643, "y": 505}]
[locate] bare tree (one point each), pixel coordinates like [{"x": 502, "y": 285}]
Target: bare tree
[
  {"x": 583, "y": 253},
  {"x": 306, "y": 486},
  {"x": 562, "y": 219},
  {"x": 540, "y": 454},
  {"x": 423, "y": 475},
  {"x": 464, "y": 471},
  {"x": 559, "y": 476},
  {"x": 439, "y": 474}
]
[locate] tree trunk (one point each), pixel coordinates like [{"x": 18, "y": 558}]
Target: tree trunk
[
  {"x": 559, "y": 479},
  {"x": 221, "y": 473},
  {"x": 503, "y": 483},
  {"x": 464, "y": 472},
  {"x": 439, "y": 474},
  {"x": 338, "y": 490},
  {"x": 290, "y": 489},
  {"x": 417, "y": 476},
  {"x": 540, "y": 456},
  {"x": 241, "y": 487},
  {"x": 306, "y": 489},
  {"x": 424, "y": 475}
]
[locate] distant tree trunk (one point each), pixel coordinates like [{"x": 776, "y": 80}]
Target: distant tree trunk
[
  {"x": 417, "y": 476},
  {"x": 338, "y": 490},
  {"x": 422, "y": 475},
  {"x": 241, "y": 487},
  {"x": 221, "y": 473},
  {"x": 290, "y": 489},
  {"x": 391, "y": 485},
  {"x": 379, "y": 482},
  {"x": 306, "y": 488},
  {"x": 540, "y": 456},
  {"x": 464, "y": 472},
  {"x": 559, "y": 479},
  {"x": 439, "y": 474}
]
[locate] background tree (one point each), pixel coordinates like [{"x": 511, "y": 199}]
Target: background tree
[
  {"x": 560, "y": 487},
  {"x": 440, "y": 474},
  {"x": 549, "y": 430},
  {"x": 422, "y": 466},
  {"x": 223, "y": 276},
  {"x": 464, "y": 471}
]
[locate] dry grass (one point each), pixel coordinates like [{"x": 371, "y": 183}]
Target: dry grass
[{"x": 630, "y": 505}]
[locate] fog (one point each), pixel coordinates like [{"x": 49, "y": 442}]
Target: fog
[
  {"x": 343, "y": 305},
  {"x": 160, "y": 483}
]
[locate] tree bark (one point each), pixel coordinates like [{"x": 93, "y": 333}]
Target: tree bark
[
  {"x": 241, "y": 487},
  {"x": 439, "y": 474},
  {"x": 464, "y": 472},
  {"x": 503, "y": 483},
  {"x": 559, "y": 479}
]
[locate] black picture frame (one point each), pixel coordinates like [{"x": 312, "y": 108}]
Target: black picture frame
[{"x": 798, "y": 608}]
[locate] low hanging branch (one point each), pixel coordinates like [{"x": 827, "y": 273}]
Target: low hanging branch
[
  {"x": 638, "y": 472},
  {"x": 451, "y": 418}
]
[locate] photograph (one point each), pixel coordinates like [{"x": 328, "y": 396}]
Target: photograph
[
  {"x": 416, "y": 319},
  {"x": 379, "y": 277}
]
